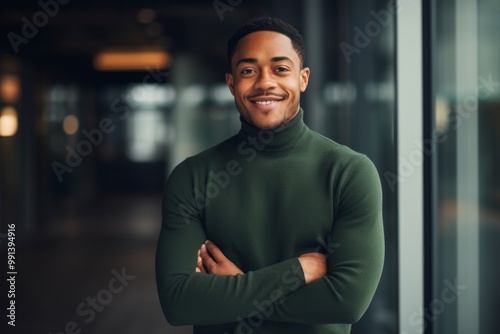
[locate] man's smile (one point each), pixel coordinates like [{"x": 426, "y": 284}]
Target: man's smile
[
  {"x": 265, "y": 102},
  {"x": 267, "y": 99}
]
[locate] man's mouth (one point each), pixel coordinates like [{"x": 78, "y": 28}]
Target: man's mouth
[
  {"x": 267, "y": 99},
  {"x": 266, "y": 102}
]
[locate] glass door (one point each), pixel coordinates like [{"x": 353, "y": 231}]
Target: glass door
[{"x": 464, "y": 184}]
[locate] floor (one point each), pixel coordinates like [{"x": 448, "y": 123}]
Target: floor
[{"x": 66, "y": 280}]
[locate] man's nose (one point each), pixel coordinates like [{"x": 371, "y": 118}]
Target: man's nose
[{"x": 265, "y": 81}]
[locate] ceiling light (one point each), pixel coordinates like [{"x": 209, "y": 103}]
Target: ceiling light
[
  {"x": 133, "y": 60},
  {"x": 8, "y": 122}
]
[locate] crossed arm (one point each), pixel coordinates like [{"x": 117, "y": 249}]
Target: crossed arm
[
  {"x": 211, "y": 260},
  {"x": 210, "y": 289}
]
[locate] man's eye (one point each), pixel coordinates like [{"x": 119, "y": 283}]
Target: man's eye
[
  {"x": 281, "y": 69},
  {"x": 247, "y": 71}
]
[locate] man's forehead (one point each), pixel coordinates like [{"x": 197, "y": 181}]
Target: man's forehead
[
  {"x": 265, "y": 35},
  {"x": 273, "y": 44}
]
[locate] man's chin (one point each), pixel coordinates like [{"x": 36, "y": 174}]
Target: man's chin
[
  {"x": 267, "y": 120},
  {"x": 267, "y": 124}
]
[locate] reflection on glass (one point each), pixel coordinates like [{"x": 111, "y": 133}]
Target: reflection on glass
[
  {"x": 70, "y": 124},
  {"x": 147, "y": 95},
  {"x": 146, "y": 134},
  {"x": 465, "y": 291},
  {"x": 9, "y": 88}
]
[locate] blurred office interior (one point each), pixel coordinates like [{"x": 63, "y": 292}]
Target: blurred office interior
[{"x": 99, "y": 100}]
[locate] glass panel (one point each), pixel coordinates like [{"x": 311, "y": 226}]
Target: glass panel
[{"x": 466, "y": 230}]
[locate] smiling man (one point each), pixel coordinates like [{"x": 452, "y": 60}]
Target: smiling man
[
  {"x": 277, "y": 229},
  {"x": 266, "y": 79}
]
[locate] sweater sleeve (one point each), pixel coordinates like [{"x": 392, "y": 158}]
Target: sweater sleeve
[
  {"x": 355, "y": 257},
  {"x": 190, "y": 298}
]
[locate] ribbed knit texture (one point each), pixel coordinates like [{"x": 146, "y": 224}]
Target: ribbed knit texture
[{"x": 265, "y": 197}]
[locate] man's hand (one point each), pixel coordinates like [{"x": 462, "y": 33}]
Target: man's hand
[
  {"x": 211, "y": 260},
  {"x": 313, "y": 266}
]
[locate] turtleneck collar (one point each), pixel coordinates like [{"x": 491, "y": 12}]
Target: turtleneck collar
[{"x": 277, "y": 139}]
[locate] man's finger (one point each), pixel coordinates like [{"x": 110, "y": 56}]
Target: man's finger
[
  {"x": 215, "y": 251},
  {"x": 199, "y": 263},
  {"x": 199, "y": 266},
  {"x": 207, "y": 262}
]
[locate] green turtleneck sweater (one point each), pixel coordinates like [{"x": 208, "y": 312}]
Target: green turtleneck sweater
[{"x": 265, "y": 197}]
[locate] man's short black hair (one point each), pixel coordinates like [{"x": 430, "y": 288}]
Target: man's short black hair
[{"x": 267, "y": 24}]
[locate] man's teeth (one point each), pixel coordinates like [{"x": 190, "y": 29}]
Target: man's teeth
[{"x": 264, "y": 102}]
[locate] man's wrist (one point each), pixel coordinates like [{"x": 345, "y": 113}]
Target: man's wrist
[{"x": 313, "y": 265}]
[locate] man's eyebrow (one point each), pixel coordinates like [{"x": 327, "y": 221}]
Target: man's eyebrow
[
  {"x": 254, "y": 61},
  {"x": 246, "y": 60},
  {"x": 281, "y": 58}
]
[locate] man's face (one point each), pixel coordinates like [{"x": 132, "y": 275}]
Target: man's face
[{"x": 266, "y": 79}]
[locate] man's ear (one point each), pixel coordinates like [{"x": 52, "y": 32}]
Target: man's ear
[
  {"x": 230, "y": 82},
  {"x": 304, "y": 78}
]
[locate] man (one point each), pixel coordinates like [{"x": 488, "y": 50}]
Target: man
[{"x": 277, "y": 229}]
